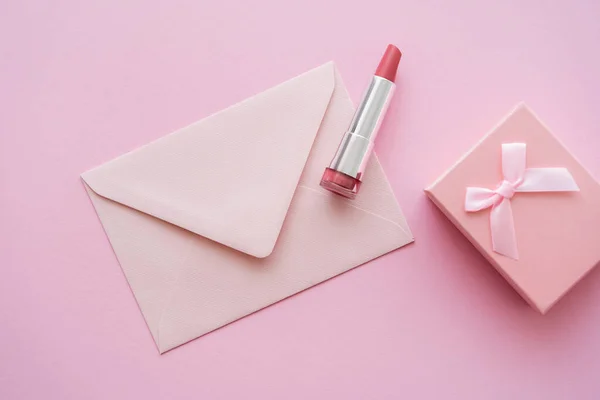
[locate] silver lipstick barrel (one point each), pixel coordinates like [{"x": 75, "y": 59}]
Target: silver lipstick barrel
[{"x": 357, "y": 144}]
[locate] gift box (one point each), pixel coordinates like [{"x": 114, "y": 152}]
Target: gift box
[{"x": 527, "y": 205}]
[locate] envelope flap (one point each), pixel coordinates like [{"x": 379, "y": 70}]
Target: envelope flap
[{"x": 229, "y": 177}]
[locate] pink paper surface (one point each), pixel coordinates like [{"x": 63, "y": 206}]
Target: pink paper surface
[
  {"x": 433, "y": 320},
  {"x": 187, "y": 285}
]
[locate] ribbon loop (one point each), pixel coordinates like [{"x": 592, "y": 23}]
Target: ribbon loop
[
  {"x": 517, "y": 178},
  {"x": 514, "y": 160}
]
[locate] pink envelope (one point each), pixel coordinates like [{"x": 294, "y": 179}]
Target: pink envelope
[{"x": 226, "y": 216}]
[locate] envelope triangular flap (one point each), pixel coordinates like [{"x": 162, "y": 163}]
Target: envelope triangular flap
[{"x": 229, "y": 177}]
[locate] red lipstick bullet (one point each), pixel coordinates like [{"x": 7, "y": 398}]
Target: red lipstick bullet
[
  {"x": 389, "y": 63},
  {"x": 347, "y": 168}
]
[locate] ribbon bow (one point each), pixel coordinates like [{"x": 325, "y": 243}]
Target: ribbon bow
[{"x": 517, "y": 179}]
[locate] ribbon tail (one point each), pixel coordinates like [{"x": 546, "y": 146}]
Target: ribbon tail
[
  {"x": 504, "y": 239},
  {"x": 548, "y": 180}
]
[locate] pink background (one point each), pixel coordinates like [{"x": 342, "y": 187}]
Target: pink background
[{"x": 430, "y": 321}]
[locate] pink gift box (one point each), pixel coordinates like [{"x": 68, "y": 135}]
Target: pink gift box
[{"x": 531, "y": 209}]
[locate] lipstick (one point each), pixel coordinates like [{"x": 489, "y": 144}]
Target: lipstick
[{"x": 346, "y": 171}]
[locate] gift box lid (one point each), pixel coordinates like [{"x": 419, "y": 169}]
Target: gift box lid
[{"x": 554, "y": 202}]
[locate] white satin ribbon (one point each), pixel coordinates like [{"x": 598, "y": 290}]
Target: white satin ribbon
[{"x": 517, "y": 178}]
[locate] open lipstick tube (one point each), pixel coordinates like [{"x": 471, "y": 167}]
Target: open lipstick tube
[{"x": 346, "y": 170}]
